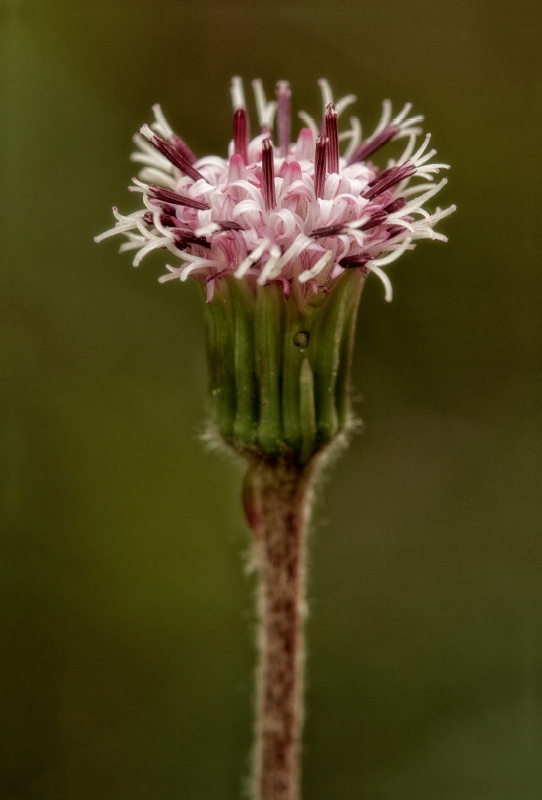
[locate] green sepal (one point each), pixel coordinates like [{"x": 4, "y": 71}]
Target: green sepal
[
  {"x": 268, "y": 337},
  {"x": 343, "y": 389},
  {"x": 280, "y": 367},
  {"x": 297, "y": 339},
  {"x": 326, "y": 355},
  {"x": 307, "y": 413},
  {"x": 220, "y": 359},
  {"x": 246, "y": 418}
]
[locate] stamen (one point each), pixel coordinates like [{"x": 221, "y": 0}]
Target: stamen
[
  {"x": 230, "y": 226},
  {"x": 396, "y": 205},
  {"x": 320, "y": 165},
  {"x": 169, "y": 152},
  {"x": 184, "y": 232},
  {"x": 350, "y": 262},
  {"x": 389, "y": 178},
  {"x": 184, "y": 240},
  {"x": 330, "y": 230},
  {"x": 283, "y": 94},
  {"x": 168, "y": 196},
  {"x": 365, "y": 149},
  {"x": 268, "y": 175},
  {"x": 168, "y": 221},
  {"x": 240, "y": 133},
  {"x": 168, "y": 209},
  {"x": 332, "y": 133},
  {"x": 182, "y": 148},
  {"x": 395, "y": 230},
  {"x": 377, "y": 219}
]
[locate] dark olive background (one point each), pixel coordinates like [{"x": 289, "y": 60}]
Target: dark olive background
[{"x": 126, "y": 617}]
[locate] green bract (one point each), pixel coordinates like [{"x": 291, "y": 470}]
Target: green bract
[{"x": 280, "y": 367}]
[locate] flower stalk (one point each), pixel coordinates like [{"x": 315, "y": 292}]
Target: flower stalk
[{"x": 277, "y": 501}]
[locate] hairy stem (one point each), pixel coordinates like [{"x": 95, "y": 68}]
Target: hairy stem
[{"x": 276, "y": 496}]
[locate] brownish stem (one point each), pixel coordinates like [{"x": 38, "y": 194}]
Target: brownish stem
[{"x": 277, "y": 505}]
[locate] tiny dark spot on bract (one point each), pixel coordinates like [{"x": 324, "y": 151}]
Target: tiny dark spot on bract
[{"x": 301, "y": 339}]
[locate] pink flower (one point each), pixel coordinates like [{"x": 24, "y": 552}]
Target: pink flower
[{"x": 287, "y": 212}]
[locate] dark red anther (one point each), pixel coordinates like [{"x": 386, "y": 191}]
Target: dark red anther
[
  {"x": 184, "y": 239},
  {"x": 365, "y": 149},
  {"x": 177, "y": 199},
  {"x": 320, "y": 165},
  {"x": 230, "y": 226},
  {"x": 332, "y": 133},
  {"x": 268, "y": 174},
  {"x": 353, "y": 261},
  {"x": 240, "y": 133},
  {"x": 166, "y": 220},
  {"x": 395, "y": 230},
  {"x": 330, "y": 230},
  {"x": 396, "y": 205},
  {"x": 283, "y": 95},
  {"x": 389, "y": 178},
  {"x": 182, "y": 148},
  {"x": 377, "y": 219},
  {"x": 175, "y": 158},
  {"x": 166, "y": 208}
]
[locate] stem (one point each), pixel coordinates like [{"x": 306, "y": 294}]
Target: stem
[{"x": 276, "y": 496}]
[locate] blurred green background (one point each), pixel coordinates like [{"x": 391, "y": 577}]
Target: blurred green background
[{"x": 126, "y": 617}]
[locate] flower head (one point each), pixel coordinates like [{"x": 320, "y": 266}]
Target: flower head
[
  {"x": 282, "y": 235},
  {"x": 294, "y": 213}
]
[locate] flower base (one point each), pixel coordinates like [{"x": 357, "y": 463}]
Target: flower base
[{"x": 280, "y": 366}]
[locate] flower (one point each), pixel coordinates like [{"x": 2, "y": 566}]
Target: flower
[
  {"x": 282, "y": 236},
  {"x": 287, "y": 213}
]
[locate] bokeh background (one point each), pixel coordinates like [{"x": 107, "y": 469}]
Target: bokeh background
[{"x": 126, "y": 616}]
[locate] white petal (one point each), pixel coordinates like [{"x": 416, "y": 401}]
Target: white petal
[
  {"x": 321, "y": 264},
  {"x": 388, "y": 296},
  {"x": 393, "y": 256}
]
